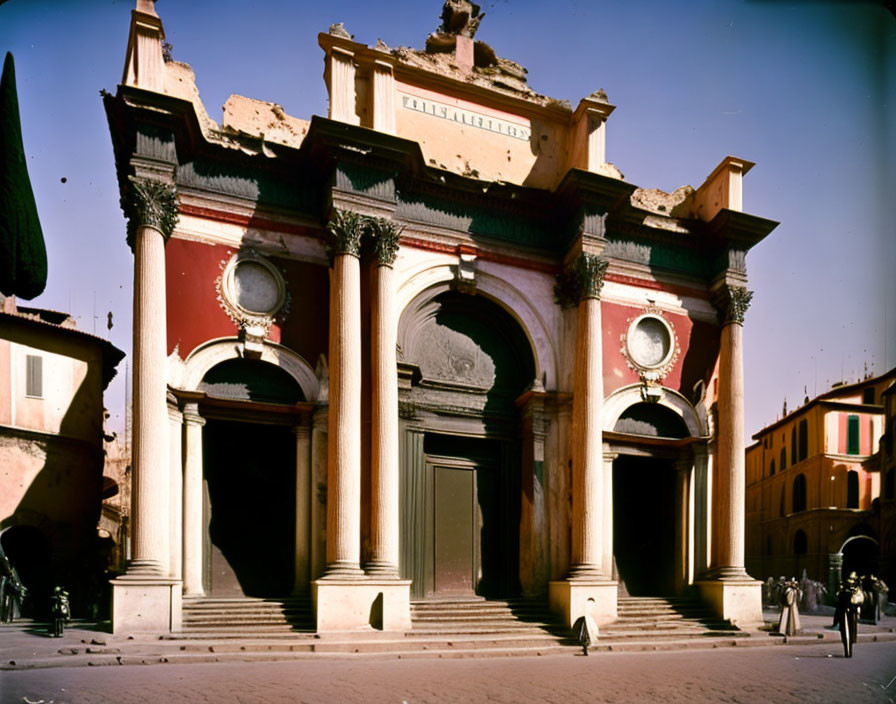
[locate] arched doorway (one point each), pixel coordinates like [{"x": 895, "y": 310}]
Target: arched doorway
[
  {"x": 861, "y": 554},
  {"x": 464, "y": 362},
  {"x": 659, "y": 489},
  {"x": 249, "y": 473}
]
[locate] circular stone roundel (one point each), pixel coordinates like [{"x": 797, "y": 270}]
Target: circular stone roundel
[
  {"x": 651, "y": 342},
  {"x": 252, "y": 285}
]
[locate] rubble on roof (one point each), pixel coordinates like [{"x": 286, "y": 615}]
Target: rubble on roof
[{"x": 676, "y": 204}]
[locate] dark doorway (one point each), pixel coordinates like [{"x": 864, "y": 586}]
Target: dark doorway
[
  {"x": 644, "y": 524},
  {"x": 470, "y": 549},
  {"x": 861, "y": 555},
  {"x": 28, "y": 552},
  {"x": 249, "y": 470}
]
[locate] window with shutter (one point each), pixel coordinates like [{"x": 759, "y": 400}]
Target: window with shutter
[{"x": 34, "y": 373}]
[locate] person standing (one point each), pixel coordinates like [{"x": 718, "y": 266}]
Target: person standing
[
  {"x": 789, "y": 624},
  {"x": 849, "y": 604}
]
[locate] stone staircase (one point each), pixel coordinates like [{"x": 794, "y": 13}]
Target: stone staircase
[
  {"x": 210, "y": 617},
  {"x": 447, "y": 627},
  {"x": 517, "y": 626},
  {"x": 659, "y": 623}
]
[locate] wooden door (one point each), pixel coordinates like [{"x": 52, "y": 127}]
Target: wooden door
[{"x": 455, "y": 519}]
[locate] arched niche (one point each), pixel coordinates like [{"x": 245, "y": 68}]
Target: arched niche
[
  {"x": 190, "y": 373},
  {"x": 467, "y": 343},
  {"x": 618, "y": 403},
  {"x": 431, "y": 279}
]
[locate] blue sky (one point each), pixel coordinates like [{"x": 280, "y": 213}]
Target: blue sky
[{"x": 804, "y": 89}]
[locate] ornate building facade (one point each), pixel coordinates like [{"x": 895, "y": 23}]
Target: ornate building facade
[
  {"x": 430, "y": 345},
  {"x": 815, "y": 482}
]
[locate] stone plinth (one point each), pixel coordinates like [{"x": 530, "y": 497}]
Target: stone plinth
[
  {"x": 738, "y": 601},
  {"x": 145, "y": 605},
  {"x": 352, "y": 605},
  {"x": 568, "y": 598}
]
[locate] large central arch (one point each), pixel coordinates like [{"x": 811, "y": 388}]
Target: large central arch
[{"x": 465, "y": 361}]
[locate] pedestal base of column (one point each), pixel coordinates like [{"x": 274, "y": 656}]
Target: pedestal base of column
[
  {"x": 568, "y": 599},
  {"x": 145, "y": 604},
  {"x": 342, "y": 571},
  {"x": 738, "y": 601},
  {"x": 381, "y": 570},
  {"x": 367, "y": 604}
]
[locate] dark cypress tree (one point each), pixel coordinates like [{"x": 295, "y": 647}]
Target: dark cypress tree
[{"x": 23, "y": 255}]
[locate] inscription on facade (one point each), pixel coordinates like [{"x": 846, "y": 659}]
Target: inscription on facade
[{"x": 466, "y": 117}]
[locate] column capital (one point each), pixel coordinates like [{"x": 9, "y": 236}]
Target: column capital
[
  {"x": 732, "y": 302},
  {"x": 191, "y": 414},
  {"x": 149, "y": 203},
  {"x": 384, "y": 235},
  {"x": 344, "y": 231},
  {"x": 582, "y": 279},
  {"x": 302, "y": 432}
]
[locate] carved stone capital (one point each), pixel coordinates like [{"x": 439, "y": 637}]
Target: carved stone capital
[
  {"x": 344, "y": 232},
  {"x": 150, "y": 203},
  {"x": 384, "y": 235},
  {"x": 732, "y": 302},
  {"x": 582, "y": 280}
]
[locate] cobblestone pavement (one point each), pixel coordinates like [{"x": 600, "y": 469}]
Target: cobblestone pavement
[{"x": 816, "y": 674}]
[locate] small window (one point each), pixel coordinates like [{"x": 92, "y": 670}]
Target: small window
[
  {"x": 771, "y": 469},
  {"x": 783, "y": 510},
  {"x": 868, "y": 395},
  {"x": 799, "y": 493},
  {"x": 793, "y": 459},
  {"x": 34, "y": 376},
  {"x": 783, "y": 458},
  {"x": 852, "y": 435},
  {"x": 852, "y": 489},
  {"x": 804, "y": 440}
]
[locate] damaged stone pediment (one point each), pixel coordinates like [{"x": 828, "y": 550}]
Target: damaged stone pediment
[
  {"x": 677, "y": 204},
  {"x": 444, "y": 55},
  {"x": 264, "y": 120}
]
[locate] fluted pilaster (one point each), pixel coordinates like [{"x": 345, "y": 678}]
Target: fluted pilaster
[{"x": 193, "y": 524}]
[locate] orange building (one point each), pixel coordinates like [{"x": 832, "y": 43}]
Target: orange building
[{"x": 810, "y": 486}]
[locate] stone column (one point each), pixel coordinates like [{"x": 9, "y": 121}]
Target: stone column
[
  {"x": 154, "y": 204},
  {"x": 176, "y": 488},
  {"x": 606, "y": 563},
  {"x": 384, "y": 534},
  {"x": 193, "y": 524},
  {"x": 318, "y": 507},
  {"x": 303, "y": 507},
  {"x": 344, "y": 419},
  {"x": 145, "y": 598},
  {"x": 534, "y": 568},
  {"x": 587, "y": 449},
  {"x": 730, "y": 591},
  {"x": 701, "y": 509},
  {"x": 588, "y": 588},
  {"x": 683, "y": 469},
  {"x": 730, "y": 494}
]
